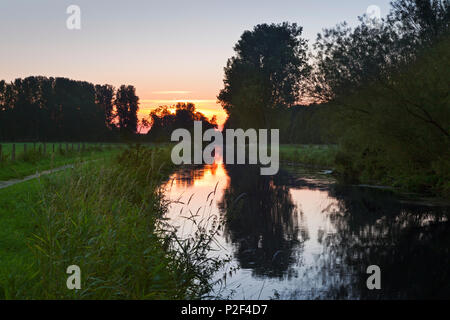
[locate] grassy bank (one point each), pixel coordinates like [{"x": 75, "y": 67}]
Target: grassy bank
[
  {"x": 36, "y": 160},
  {"x": 105, "y": 217},
  {"x": 321, "y": 156},
  {"x": 17, "y": 212},
  {"x": 354, "y": 168}
]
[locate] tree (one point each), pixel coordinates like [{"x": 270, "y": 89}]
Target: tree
[
  {"x": 264, "y": 77},
  {"x": 421, "y": 21},
  {"x": 163, "y": 122},
  {"x": 347, "y": 59},
  {"x": 127, "y": 105},
  {"x": 104, "y": 98},
  {"x": 3, "y": 109},
  {"x": 41, "y": 108},
  {"x": 387, "y": 84}
]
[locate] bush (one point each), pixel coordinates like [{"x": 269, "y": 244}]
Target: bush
[{"x": 396, "y": 131}]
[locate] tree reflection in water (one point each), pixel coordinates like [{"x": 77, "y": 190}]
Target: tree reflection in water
[
  {"x": 261, "y": 220},
  {"x": 409, "y": 242},
  {"x": 311, "y": 238}
]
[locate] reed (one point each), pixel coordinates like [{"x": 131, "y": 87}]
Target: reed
[{"x": 108, "y": 218}]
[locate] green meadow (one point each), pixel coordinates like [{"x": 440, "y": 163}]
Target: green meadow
[
  {"x": 31, "y": 158},
  {"x": 17, "y": 210},
  {"x": 106, "y": 217}
]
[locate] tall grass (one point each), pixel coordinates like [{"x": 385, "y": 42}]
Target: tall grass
[
  {"x": 37, "y": 149},
  {"x": 107, "y": 218},
  {"x": 35, "y": 159},
  {"x": 315, "y": 155}
]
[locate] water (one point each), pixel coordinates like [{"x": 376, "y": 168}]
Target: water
[{"x": 299, "y": 235}]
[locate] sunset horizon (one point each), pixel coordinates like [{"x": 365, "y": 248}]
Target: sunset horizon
[
  {"x": 217, "y": 159},
  {"x": 168, "y": 61}
]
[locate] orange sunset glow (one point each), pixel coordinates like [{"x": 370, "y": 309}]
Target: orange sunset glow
[
  {"x": 180, "y": 60},
  {"x": 213, "y": 159},
  {"x": 208, "y": 107}
]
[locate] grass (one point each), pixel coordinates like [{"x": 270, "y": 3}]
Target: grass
[
  {"x": 35, "y": 160},
  {"x": 107, "y": 218},
  {"x": 16, "y": 224},
  {"x": 322, "y": 156}
]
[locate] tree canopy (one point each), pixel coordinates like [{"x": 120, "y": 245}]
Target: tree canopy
[
  {"x": 127, "y": 106},
  {"x": 265, "y": 74},
  {"x": 346, "y": 59},
  {"x": 51, "y": 109},
  {"x": 163, "y": 121}
]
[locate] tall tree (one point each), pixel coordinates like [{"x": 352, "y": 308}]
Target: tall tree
[
  {"x": 265, "y": 75},
  {"x": 127, "y": 106},
  {"x": 387, "y": 84},
  {"x": 347, "y": 58},
  {"x": 422, "y": 21},
  {"x": 41, "y": 108},
  {"x": 104, "y": 98},
  {"x": 3, "y": 109}
]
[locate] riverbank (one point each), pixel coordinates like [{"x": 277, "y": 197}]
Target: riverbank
[
  {"x": 337, "y": 162},
  {"x": 106, "y": 218},
  {"x": 320, "y": 156}
]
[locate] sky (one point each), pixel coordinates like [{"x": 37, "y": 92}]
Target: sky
[{"x": 169, "y": 50}]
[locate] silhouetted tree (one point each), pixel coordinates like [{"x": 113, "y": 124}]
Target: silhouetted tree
[
  {"x": 41, "y": 108},
  {"x": 104, "y": 98},
  {"x": 127, "y": 105},
  {"x": 264, "y": 77},
  {"x": 163, "y": 122},
  {"x": 388, "y": 84},
  {"x": 347, "y": 59},
  {"x": 421, "y": 21}
]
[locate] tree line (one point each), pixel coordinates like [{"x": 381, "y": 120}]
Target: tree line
[
  {"x": 38, "y": 108},
  {"x": 379, "y": 90},
  {"x": 164, "y": 120}
]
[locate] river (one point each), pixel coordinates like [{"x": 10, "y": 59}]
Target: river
[{"x": 301, "y": 235}]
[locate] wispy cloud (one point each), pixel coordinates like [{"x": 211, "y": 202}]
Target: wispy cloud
[
  {"x": 178, "y": 100},
  {"x": 172, "y": 92}
]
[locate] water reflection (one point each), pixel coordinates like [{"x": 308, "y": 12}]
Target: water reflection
[
  {"x": 297, "y": 236},
  {"x": 410, "y": 243},
  {"x": 262, "y": 221}
]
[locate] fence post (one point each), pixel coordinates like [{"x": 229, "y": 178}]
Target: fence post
[
  {"x": 45, "y": 148},
  {"x": 78, "y": 148},
  {"x": 13, "y": 153}
]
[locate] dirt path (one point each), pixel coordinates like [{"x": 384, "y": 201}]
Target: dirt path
[{"x": 5, "y": 184}]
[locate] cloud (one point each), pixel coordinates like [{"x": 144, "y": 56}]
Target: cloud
[{"x": 172, "y": 92}]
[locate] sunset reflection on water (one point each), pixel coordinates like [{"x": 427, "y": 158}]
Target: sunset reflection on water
[{"x": 298, "y": 235}]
